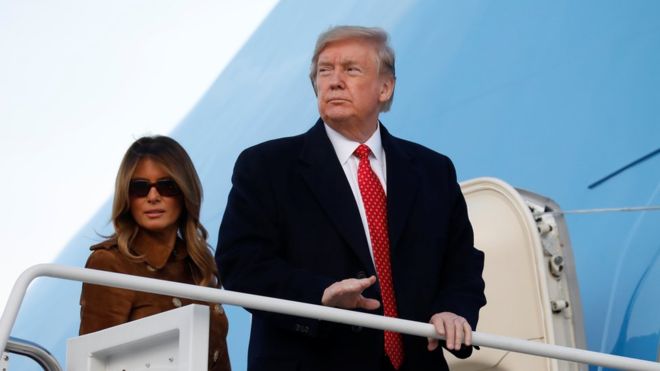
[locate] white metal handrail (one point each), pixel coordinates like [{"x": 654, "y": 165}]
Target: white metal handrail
[
  {"x": 297, "y": 309},
  {"x": 33, "y": 351}
]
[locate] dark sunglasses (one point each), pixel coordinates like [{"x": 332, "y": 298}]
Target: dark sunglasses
[{"x": 165, "y": 187}]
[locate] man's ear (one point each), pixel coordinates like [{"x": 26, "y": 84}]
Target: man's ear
[
  {"x": 386, "y": 88},
  {"x": 316, "y": 93}
]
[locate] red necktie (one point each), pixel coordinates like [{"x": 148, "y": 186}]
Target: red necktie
[{"x": 375, "y": 205}]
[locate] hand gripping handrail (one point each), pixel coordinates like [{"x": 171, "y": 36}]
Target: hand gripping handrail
[{"x": 297, "y": 309}]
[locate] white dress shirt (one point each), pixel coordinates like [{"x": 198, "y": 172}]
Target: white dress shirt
[{"x": 344, "y": 149}]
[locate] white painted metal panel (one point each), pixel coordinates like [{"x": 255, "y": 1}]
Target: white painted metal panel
[
  {"x": 520, "y": 288},
  {"x": 172, "y": 340}
]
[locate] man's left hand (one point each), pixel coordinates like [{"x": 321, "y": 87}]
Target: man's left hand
[{"x": 454, "y": 328}]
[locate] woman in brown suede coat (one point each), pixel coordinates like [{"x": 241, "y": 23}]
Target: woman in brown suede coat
[{"x": 157, "y": 235}]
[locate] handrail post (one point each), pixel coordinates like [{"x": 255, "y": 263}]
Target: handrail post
[
  {"x": 33, "y": 351},
  {"x": 14, "y": 302}
]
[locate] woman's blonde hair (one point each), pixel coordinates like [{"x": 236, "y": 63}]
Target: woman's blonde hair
[{"x": 176, "y": 162}]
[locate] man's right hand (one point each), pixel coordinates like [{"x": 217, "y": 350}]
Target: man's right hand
[{"x": 347, "y": 294}]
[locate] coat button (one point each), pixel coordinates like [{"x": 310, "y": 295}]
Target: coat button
[
  {"x": 176, "y": 302},
  {"x": 218, "y": 309},
  {"x": 361, "y": 274}
]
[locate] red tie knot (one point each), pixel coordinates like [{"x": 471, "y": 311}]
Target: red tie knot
[{"x": 362, "y": 151}]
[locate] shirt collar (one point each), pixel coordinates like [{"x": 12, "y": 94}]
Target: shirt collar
[
  {"x": 158, "y": 257},
  {"x": 345, "y": 147}
]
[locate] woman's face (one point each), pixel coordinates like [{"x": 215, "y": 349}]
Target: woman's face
[{"x": 156, "y": 211}]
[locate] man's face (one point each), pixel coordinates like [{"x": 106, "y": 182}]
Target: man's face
[{"x": 349, "y": 88}]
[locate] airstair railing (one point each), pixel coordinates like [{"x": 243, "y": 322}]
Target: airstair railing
[
  {"x": 34, "y": 351},
  {"x": 298, "y": 309}
]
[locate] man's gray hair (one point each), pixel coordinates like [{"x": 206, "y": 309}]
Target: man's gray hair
[{"x": 375, "y": 35}]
